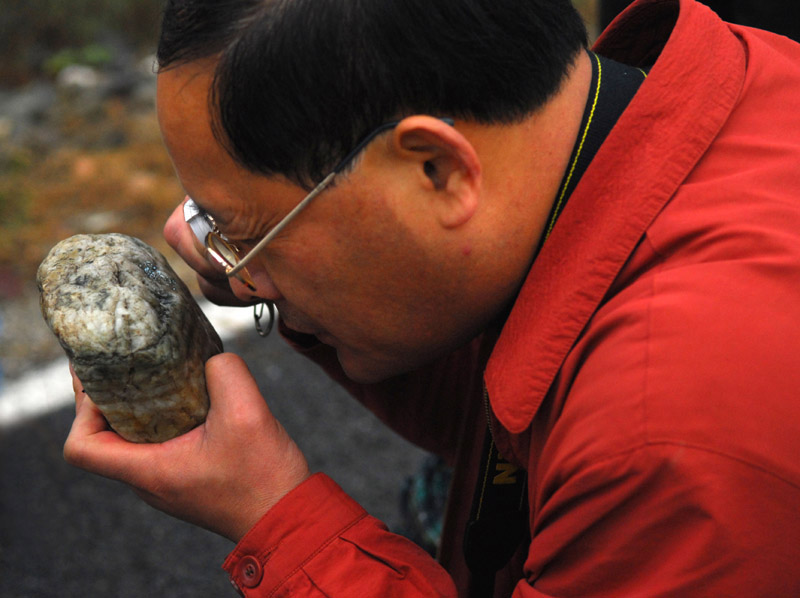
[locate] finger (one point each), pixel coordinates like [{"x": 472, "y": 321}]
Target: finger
[
  {"x": 93, "y": 446},
  {"x": 88, "y": 434},
  {"x": 77, "y": 385},
  {"x": 227, "y": 371},
  {"x": 269, "y": 461},
  {"x": 237, "y": 406},
  {"x": 180, "y": 237},
  {"x": 89, "y": 420},
  {"x": 212, "y": 281}
]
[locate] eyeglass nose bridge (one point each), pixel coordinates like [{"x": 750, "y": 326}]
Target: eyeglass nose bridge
[
  {"x": 203, "y": 227},
  {"x": 226, "y": 255}
]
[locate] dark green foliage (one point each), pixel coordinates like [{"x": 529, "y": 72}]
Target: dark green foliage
[{"x": 32, "y": 32}]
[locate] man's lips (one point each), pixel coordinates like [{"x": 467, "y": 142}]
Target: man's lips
[
  {"x": 305, "y": 328},
  {"x": 321, "y": 336},
  {"x": 297, "y": 329}
]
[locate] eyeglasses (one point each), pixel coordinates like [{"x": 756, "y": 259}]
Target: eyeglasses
[{"x": 225, "y": 253}]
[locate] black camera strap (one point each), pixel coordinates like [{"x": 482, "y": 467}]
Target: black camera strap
[{"x": 499, "y": 516}]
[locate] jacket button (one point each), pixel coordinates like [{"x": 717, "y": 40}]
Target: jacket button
[{"x": 250, "y": 571}]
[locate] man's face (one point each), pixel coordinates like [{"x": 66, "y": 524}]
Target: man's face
[{"x": 362, "y": 268}]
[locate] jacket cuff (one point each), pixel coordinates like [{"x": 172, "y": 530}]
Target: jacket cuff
[{"x": 290, "y": 534}]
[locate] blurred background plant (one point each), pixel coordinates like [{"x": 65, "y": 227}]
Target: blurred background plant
[
  {"x": 36, "y": 35},
  {"x": 93, "y": 55}
]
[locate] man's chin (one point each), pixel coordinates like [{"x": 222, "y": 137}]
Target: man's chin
[
  {"x": 364, "y": 370},
  {"x": 362, "y": 375}
]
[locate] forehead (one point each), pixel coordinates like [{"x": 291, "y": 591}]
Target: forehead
[
  {"x": 184, "y": 118},
  {"x": 207, "y": 172},
  {"x": 205, "y": 169}
]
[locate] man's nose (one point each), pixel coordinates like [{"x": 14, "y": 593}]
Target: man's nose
[{"x": 265, "y": 288}]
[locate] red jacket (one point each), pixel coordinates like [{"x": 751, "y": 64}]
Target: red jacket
[{"x": 647, "y": 377}]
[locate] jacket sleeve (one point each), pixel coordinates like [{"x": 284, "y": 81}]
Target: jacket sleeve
[
  {"x": 664, "y": 520},
  {"x": 318, "y": 542}
]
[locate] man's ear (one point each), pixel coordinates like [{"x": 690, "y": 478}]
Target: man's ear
[{"x": 448, "y": 165}]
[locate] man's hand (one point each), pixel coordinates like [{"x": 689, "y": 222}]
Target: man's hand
[
  {"x": 212, "y": 281},
  {"x": 223, "y": 475}
]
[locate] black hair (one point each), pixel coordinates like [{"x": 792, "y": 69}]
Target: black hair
[{"x": 299, "y": 82}]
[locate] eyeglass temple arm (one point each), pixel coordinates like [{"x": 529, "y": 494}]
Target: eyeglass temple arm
[
  {"x": 314, "y": 192},
  {"x": 289, "y": 217},
  {"x": 307, "y": 199}
]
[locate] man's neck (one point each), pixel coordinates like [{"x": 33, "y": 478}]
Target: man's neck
[{"x": 524, "y": 163}]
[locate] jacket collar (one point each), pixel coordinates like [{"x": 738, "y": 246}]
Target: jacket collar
[{"x": 696, "y": 77}]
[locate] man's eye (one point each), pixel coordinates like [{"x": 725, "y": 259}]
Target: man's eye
[{"x": 244, "y": 242}]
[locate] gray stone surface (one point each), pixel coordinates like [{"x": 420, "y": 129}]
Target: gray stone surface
[{"x": 135, "y": 335}]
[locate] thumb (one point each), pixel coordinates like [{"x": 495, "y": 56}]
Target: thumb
[
  {"x": 235, "y": 399},
  {"x": 227, "y": 372},
  {"x": 225, "y": 368},
  {"x": 241, "y": 429}
]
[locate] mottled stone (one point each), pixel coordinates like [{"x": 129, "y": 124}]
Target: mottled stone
[{"x": 137, "y": 339}]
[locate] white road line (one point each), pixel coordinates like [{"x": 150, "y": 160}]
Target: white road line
[{"x": 50, "y": 387}]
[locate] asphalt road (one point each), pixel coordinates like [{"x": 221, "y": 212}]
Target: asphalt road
[{"x": 65, "y": 533}]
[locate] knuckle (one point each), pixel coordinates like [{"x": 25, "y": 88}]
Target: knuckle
[{"x": 73, "y": 452}]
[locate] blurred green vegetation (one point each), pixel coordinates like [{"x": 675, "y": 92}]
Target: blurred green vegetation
[
  {"x": 38, "y": 36},
  {"x": 95, "y": 55}
]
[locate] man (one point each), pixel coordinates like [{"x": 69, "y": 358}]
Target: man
[{"x": 591, "y": 264}]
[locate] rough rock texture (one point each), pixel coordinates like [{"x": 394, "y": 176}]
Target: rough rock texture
[{"x": 136, "y": 338}]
